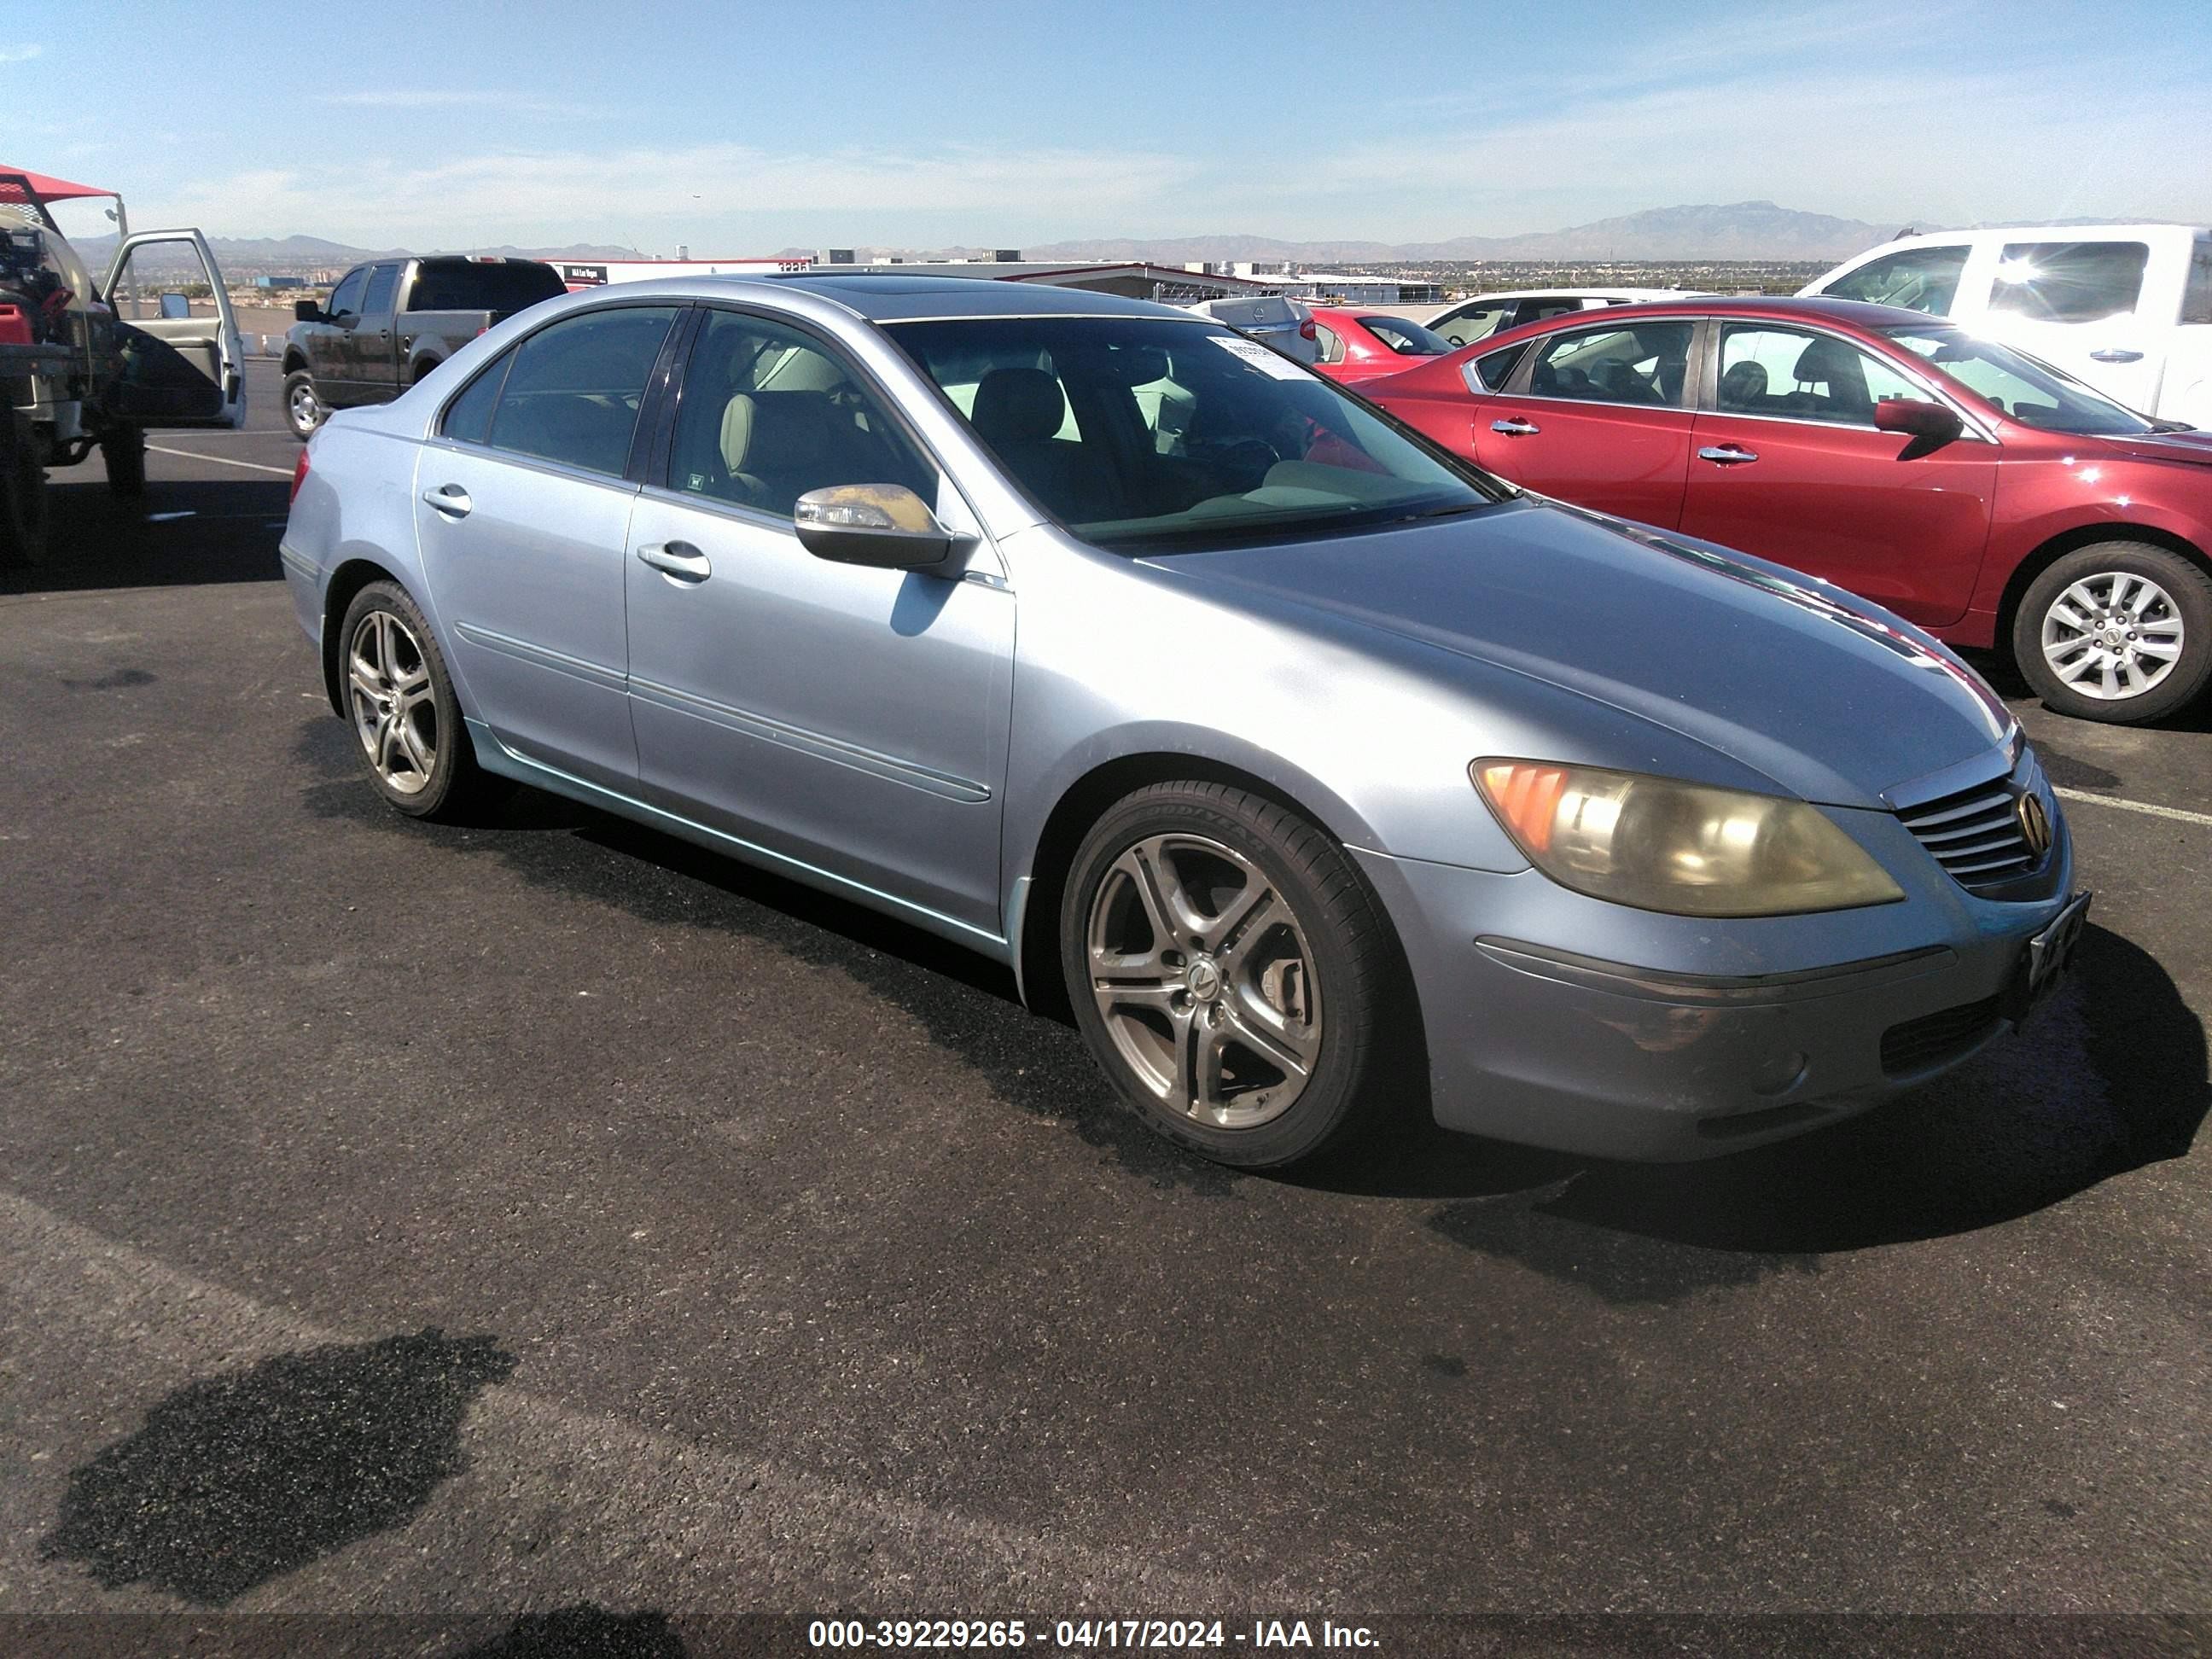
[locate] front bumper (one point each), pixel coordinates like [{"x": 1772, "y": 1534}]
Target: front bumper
[{"x": 1561, "y": 1021}]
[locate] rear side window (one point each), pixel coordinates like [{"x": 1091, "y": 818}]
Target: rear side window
[
  {"x": 1493, "y": 369},
  {"x": 1916, "y": 278},
  {"x": 468, "y": 417},
  {"x": 2196, "y": 301},
  {"x": 503, "y": 286},
  {"x": 574, "y": 389},
  {"x": 2069, "y": 282},
  {"x": 1643, "y": 363}
]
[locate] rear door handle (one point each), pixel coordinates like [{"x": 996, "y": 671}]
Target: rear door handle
[
  {"x": 1726, "y": 454},
  {"x": 2116, "y": 355},
  {"x": 678, "y": 560},
  {"x": 451, "y": 500},
  {"x": 1516, "y": 426}
]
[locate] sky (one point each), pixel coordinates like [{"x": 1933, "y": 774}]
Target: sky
[{"x": 739, "y": 128}]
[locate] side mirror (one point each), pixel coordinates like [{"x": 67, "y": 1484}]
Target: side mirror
[
  {"x": 1919, "y": 417},
  {"x": 175, "y": 308},
  {"x": 886, "y": 526},
  {"x": 308, "y": 311}
]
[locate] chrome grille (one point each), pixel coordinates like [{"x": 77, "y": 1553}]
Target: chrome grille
[{"x": 1976, "y": 833}]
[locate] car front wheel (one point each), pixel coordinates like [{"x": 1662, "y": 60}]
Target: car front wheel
[
  {"x": 303, "y": 409},
  {"x": 2119, "y": 632},
  {"x": 1234, "y": 975}
]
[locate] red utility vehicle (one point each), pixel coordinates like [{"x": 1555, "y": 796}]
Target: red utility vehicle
[
  {"x": 1972, "y": 489},
  {"x": 1358, "y": 345}
]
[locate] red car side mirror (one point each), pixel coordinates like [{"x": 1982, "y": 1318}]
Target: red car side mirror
[{"x": 1919, "y": 417}]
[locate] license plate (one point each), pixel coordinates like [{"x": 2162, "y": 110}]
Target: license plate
[{"x": 2049, "y": 950}]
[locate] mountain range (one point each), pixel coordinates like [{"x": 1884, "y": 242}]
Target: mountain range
[{"x": 1749, "y": 231}]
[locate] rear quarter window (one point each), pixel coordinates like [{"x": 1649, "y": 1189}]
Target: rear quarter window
[{"x": 1491, "y": 371}]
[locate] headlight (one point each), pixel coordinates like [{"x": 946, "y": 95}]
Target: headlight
[{"x": 1680, "y": 848}]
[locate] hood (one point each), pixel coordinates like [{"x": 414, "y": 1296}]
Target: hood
[
  {"x": 2192, "y": 447},
  {"x": 1833, "y": 699}
]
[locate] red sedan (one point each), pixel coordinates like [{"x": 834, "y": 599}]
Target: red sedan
[
  {"x": 1359, "y": 345},
  {"x": 1981, "y": 494}
]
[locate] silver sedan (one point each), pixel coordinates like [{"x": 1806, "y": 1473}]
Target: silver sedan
[{"x": 1310, "y": 769}]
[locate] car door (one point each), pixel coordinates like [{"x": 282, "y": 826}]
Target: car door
[
  {"x": 522, "y": 510},
  {"x": 183, "y": 362},
  {"x": 853, "y": 719},
  {"x": 370, "y": 359},
  {"x": 329, "y": 342},
  {"x": 1597, "y": 416},
  {"x": 2081, "y": 306},
  {"x": 1789, "y": 465}
]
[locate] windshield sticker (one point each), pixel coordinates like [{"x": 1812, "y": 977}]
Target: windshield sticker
[{"x": 1271, "y": 363}]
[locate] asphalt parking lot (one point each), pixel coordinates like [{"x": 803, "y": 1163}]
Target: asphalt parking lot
[{"x": 413, "y": 1220}]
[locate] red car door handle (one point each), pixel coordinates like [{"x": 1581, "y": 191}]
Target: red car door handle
[
  {"x": 1726, "y": 454},
  {"x": 1516, "y": 427}
]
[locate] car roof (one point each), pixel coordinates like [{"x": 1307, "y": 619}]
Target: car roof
[
  {"x": 1848, "y": 313},
  {"x": 890, "y": 299},
  {"x": 1572, "y": 294}
]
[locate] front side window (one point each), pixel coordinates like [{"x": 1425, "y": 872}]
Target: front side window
[
  {"x": 574, "y": 389},
  {"x": 769, "y": 413},
  {"x": 1538, "y": 311},
  {"x": 2069, "y": 282},
  {"x": 2033, "y": 394},
  {"x": 1407, "y": 339},
  {"x": 1794, "y": 373},
  {"x": 1148, "y": 435},
  {"x": 1916, "y": 278},
  {"x": 382, "y": 281},
  {"x": 1640, "y": 363},
  {"x": 345, "y": 298}
]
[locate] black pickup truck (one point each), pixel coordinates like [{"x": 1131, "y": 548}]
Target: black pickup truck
[{"x": 389, "y": 323}]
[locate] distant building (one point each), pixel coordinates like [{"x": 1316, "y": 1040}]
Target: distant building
[
  {"x": 280, "y": 282},
  {"x": 1135, "y": 279},
  {"x": 838, "y": 256}
]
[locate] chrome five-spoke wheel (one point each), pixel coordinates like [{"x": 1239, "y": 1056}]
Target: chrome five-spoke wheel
[
  {"x": 1205, "y": 980},
  {"x": 2112, "y": 635},
  {"x": 395, "y": 710}
]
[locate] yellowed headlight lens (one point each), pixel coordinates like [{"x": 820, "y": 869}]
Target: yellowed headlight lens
[{"x": 1660, "y": 844}]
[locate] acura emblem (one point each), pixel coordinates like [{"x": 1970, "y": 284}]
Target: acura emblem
[{"x": 2034, "y": 824}]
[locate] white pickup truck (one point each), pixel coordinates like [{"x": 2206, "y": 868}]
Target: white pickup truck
[{"x": 2127, "y": 308}]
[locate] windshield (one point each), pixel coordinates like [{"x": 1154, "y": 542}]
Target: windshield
[
  {"x": 2030, "y": 393},
  {"x": 1407, "y": 339},
  {"x": 1146, "y": 433}
]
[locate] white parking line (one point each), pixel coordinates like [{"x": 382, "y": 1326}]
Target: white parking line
[
  {"x": 222, "y": 460},
  {"x": 2136, "y": 806}
]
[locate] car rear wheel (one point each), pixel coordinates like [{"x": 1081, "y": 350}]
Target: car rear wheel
[
  {"x": 399, "y": 701},
  {"x": 303, "y": 409},
  {"x": 22, "y": 495},
  {"x": 123, "y": 451},
  {"x": 2119, "y": 632},
  {"x": 1234, "y": 975}
]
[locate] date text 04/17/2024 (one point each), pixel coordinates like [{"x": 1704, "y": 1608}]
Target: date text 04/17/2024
[{"x": 1085, "y": 1634}]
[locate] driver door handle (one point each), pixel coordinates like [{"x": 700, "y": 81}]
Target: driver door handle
[
  {"x": 1727, "y": 454},
  {"x": 2116, "y": 355},
  {"x": 679, "y": 560},
  {"x": 1515, "y": 426},
  {"x": 451, "y": 500}
]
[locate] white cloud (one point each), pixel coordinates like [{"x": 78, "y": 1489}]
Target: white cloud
[
  {"x": 20, "y": 54},
  {"x": 518, "y": 103},
  {"x": 561, "y": 196}
]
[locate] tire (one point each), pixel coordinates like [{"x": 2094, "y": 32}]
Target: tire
[
  {"x": 23, "y": 515},
  {"x": 1274, "y": 1021},
  {"x": 429, "y": 365},
  {"x": 304, "y": 410},
  {"x": 420, "y": 761},
  {"x": 2128, "y": 597},
  {"x": 124, "y": 451}
]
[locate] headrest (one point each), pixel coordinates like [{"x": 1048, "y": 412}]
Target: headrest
[
  {"x": 1018, "y": 406},
  {"x": 1829, "y": 361},
  {"x": 737, "y": 432}
]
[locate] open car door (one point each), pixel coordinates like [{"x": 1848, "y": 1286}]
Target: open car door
[{"x": 183, "y": 364}]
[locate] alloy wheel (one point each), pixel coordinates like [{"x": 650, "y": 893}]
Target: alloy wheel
[
  {"x": 395, "y": 708},
  {"x": 306, "y": 411},
  {"x": 1205, "y": 980},
  {"x": 2112, "y": 635}
]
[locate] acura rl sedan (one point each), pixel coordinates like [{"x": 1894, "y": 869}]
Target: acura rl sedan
[{"x": 1311, "y": 770}]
